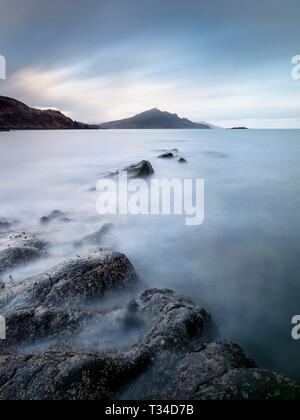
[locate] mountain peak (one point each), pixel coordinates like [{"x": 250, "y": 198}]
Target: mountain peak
[{"x": 154, "y": 119}]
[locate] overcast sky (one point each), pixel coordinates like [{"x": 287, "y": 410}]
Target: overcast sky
[{"x": 224, "y": 61}]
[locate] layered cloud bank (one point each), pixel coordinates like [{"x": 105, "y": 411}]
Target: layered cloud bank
[{"x": 228, "y": 63}]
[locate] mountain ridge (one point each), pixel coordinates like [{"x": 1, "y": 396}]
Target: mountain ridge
[
  {"x": 15, "y": 115},
  {"x": 154, "y": 119}
]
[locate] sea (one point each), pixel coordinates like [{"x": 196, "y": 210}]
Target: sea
[{"x": 241, "y": 264}]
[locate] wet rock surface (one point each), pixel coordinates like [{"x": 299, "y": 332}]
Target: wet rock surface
[
  {"x": 19, "y": 247},
  {"x": 166, "y": 155},
  {"x": 63, "y": 375},
  {"x": 136, "y": 170},
  {"x": 171, "y": 154},
  {"x": 178, "y": 356},
  {"x": 72, "y": 282}
]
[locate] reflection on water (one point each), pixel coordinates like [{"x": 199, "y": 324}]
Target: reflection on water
[{"x": 242, "y": 264}]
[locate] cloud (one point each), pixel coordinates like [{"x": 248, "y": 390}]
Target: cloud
[
  {"x": 124, "y": 93},
  {"x": 225, "y": 62}
]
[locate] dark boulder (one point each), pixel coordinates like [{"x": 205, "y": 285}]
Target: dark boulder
[
  {"x": 175, "y": 320},
  {"x": 64, "y": 375},
  {"x": 38, "y": 328},
  {"x": 136, "y": 170},
  {"x": 166, "y": 155},
  {"x": 72, "y": 282},
  {"x": 188, "y": 362},
  {"x": 178, "y": 357},
  {"x": 140, "y": 169},
  {"x": 250, "y": 384},
  {"x": 182, "y": 160}
]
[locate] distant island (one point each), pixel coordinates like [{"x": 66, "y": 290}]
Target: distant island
[
  {"x": 15, "y": 115},
  {"x": 154, "y": 119},
  {"x": 239, "y": 128}
]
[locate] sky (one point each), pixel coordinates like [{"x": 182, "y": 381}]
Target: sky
[{"x": 228, "y": 62}]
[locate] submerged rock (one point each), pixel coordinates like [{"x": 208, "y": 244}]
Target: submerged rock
[
  {"x": 95, "y": 238},
  {"x": 55, "y": 215},
  {"x": 166, "y": 155},
  {"x": 4, "y": 224},
  {"x": 18, "y": 247},
  {"x": 215, "y": 154},
  {"x": 136, "y": 170}
]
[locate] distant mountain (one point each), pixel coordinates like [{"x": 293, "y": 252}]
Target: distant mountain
[
  {"x": 15, "y": 115},
  {"x": 154, "y": 118},
  {"x": 216, "y": 127}
]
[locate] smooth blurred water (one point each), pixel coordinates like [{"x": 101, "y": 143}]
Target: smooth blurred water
[{"x": 242, "y": 264}]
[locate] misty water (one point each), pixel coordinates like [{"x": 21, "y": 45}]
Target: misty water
[{"x": 242, "y": 264}]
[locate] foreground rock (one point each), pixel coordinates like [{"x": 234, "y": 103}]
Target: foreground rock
[
  {"x": 63, "y": 375},
  {"x": 72, "y": 282},
  {"x": 136, "y": 170},
  {"x": 178, "y": 356},
  {"x": 19, "y": 247}
]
